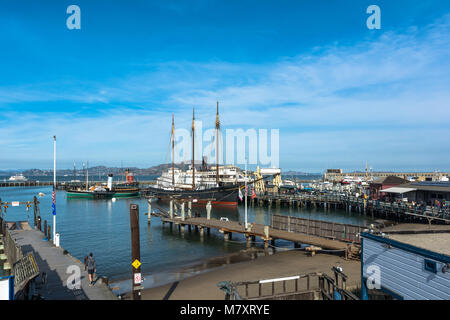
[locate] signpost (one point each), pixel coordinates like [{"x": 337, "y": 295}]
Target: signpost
[{"x": 135, "y": 251}]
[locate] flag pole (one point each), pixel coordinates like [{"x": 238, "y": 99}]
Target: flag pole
[
  {"x": 54, "y": 189},
  {"x": 245, "y": 194}
]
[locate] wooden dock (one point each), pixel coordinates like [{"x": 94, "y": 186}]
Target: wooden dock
[{"x": 265, "y": 233}]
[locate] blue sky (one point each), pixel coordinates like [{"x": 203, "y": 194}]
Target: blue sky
[{"x": 339, "y": 93}]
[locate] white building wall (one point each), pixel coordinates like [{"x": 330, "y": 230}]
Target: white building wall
[{"x": 403, "y": 272}]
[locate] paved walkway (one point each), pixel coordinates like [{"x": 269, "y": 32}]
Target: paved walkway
[{"x": 54, "y": 263}]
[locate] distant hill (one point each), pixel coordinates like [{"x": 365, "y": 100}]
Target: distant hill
[
  {"x": 103, "y": 170},
  {"x": 100, "y": 170}
]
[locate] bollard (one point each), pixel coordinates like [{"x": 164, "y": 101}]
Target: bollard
[
  {"x": 39, "y": 223},
  {"x": 49, "y": 235},
  {"x": 45, "y": 228}
]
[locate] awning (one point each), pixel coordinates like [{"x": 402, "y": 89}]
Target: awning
[{"x": 398, "y": 190}]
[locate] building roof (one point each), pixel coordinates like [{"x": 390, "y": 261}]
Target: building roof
[
  {"x": 389, "y": 180},
  {"x": 437, "y": 242},
  {"x": 398, "y": 190},
  {"x": 431, "y": 245}
]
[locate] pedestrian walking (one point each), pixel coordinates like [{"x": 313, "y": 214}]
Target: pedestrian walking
[{"x": 91, "y": 266}]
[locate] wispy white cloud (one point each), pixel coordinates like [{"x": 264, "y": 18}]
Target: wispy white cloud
[{"x": 391, "y": 94}]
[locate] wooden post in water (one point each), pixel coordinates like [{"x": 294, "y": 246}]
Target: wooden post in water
[
  {"x": 135, "y": 251},
  {"x": 49, "y": 234},
  {"x": 35, "y": 212},
  {"x": 171, "y": 209},
  {"x": 149, "y": 211}
]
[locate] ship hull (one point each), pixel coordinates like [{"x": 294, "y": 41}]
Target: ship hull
[
  {"x": 90, "y": 194},
  {"x": 223, "y": 196}
]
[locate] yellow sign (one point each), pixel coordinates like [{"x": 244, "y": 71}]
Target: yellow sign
[{"x": 136, "y": 263}]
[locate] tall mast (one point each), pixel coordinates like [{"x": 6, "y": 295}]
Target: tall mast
[
  {"x": 217, "y": 143},
  {"x": 193, "y": 149},
  {"x": 173, "y": 154},
  {"x": 54, "y": 191},
  {"x": 87, "y": 175}
]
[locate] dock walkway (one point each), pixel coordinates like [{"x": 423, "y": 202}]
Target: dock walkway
[{"x": 54, "y": 262}]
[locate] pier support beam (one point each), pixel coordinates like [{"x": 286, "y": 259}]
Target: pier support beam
[
  {"x": 171, "y": 209},
  {"x": 182, "y": 212},
  {"x": 202, "y": 231},
  {"x": 249, "y": 240},
  {"x": 190, "y": 209},
  {"x": 208, "y": 210}
]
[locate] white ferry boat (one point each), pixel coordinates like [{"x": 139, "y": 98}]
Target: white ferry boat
[{"x": 18, "y": 178}]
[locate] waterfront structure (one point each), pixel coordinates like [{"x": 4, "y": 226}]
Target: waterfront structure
[
  {"x": 405, "y": 266},
  {"x": 336, "y": 175},
  {"x": 427, "y": 192},
  {"x": 383, "y": 183}
]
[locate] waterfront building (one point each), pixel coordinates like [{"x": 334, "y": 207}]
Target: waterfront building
[
  {"x": 428, "y": 192},
  {"x": 405, "y": 266},
  {"x": 384, "y": 183}
]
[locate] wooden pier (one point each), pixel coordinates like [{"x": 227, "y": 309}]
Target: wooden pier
[
  {"x": 404, "y": 211},
  {"x": 318, "y": 239},
  {"x": 56, "y": 267}
]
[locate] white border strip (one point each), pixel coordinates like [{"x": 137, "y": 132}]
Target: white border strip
[{"x": 279, "y": 279}]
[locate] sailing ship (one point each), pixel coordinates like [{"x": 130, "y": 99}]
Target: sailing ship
[{"x": 220, "y": 185}]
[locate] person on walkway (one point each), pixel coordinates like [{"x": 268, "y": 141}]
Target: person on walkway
[{"x": 91, "y": 269}]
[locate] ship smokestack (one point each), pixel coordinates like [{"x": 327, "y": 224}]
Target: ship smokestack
[{"x": 110, "y": 179}]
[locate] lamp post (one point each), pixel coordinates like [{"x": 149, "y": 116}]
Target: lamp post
[{"x": 54, "y": 189}]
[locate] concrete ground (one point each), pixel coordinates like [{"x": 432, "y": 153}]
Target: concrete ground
[{"x": 282, "y": 264}]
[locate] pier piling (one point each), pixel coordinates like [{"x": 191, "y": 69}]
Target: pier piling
[{"x": 135, "y": 251}]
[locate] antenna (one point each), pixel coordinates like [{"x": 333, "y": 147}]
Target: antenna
[{"x": 217, "y": 143}]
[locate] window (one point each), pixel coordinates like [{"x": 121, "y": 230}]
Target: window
[{"x": 430, "y": 265}]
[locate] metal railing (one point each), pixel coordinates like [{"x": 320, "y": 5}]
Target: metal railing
[
  {"x": 12, "y": 250},
  {"x": 312, "y": 286}
]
